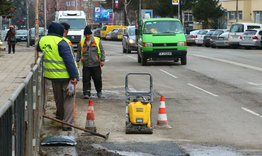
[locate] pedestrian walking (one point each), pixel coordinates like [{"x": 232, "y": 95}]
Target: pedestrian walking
[
  {"x": 91, "y": 53},
  {"x": 61, "y": 69},
  {"x": 11, "y": 40}
]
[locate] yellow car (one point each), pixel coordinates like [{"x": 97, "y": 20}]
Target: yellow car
[{"x": 120, "y": 33}]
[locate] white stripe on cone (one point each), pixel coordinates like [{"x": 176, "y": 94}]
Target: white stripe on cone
[{"x": 162, "y": 118}]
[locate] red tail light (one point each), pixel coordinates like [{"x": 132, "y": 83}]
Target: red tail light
[
  {"x": 192, "y": 36},
  {"x": 241, "y": 37},
  {"x": 255, "y": 38}
]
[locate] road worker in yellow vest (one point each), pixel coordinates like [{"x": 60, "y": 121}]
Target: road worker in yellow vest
[
  {"x": 61, "y": 68},
  {"x": 92, "y": 56}
]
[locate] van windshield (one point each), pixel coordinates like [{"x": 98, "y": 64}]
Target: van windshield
[
  {"x": 104, "y": 28},
  {"x": 157, "y": 27},
  {"x": 74, "y": 23},
  {"x": 237, "y": 28}
]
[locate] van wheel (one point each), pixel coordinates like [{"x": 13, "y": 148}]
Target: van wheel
[
  {"x": 189, "y": 44},
  {"x": 144, "y": 61},
  {"x": 124, "y": 50},
  {"x": 183, "y": 60},
  {"x": 138, "y": 58}
]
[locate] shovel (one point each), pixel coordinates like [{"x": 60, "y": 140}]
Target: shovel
[{"x": 94, "y": 133}]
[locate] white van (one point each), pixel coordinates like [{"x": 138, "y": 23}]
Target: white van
[
  {"x": 237, "y": 29},
  {"x": 77, "y": 21}
]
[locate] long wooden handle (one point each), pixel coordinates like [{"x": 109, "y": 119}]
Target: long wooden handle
[{"x": 80, "y": 128}]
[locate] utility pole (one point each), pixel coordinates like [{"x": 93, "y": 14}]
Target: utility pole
[
  {"x": 236, "y": 10},
  {"x": 27, "y": 22},
  {"x": 45, "y": 16},
  {"x": 36, "y": 28}
]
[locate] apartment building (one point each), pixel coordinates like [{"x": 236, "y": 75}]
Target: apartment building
[{"x": 248, "y": 11}]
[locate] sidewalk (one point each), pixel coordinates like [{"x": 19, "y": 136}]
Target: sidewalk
[{"x": 14, "y": 68}]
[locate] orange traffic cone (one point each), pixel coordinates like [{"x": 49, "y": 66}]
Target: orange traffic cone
[
  {"x": 162, "y": 117},
  {"x": 90, "y": 123}
]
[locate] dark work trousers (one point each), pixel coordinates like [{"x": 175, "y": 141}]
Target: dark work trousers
[
  {"x": 64, "y": 103},
  {"x": 9, "y": 48},
  {"x": 96, "y": 74}
]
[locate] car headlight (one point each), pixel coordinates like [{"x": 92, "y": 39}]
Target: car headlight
[
  {"x": 147, "y": 44},
  {"x": 181, "y": 43},
  {"x": 131, "y": 41}
]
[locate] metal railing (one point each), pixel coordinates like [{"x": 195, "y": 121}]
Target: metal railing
[{"x": 21, "y": 116}]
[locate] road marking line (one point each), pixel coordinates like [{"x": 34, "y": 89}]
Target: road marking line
[
  {"x": 229, "y": 62},
  {"x": 132, "y": 57},
  {"x": 254, "y": 84},
  {"x": 168, "y": 73},
  {"x": 252, "y": 112},
  {"x": 202, "y": 89}
]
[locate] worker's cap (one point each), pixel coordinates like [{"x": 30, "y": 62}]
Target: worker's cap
[
  {"x": 67, "y": 26},
  {"x": 87, "y": 31},
  {"x": 11, "y": 26}
]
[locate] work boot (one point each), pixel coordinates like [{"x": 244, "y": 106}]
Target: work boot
[
  {"x": 86, "y": 96},
  {"x": 99, "y": 94}
]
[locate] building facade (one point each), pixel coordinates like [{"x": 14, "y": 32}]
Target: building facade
[{"x": 247, "y": 11}]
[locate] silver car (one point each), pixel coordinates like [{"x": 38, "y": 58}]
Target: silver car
[
  {"x": 200, "y": 37},
  {"x": 108, "y": 35},
  {"x": 222, "y": 40},
  {"x": 251, "y": 38},
  {"x": 190, "y": 38},
  {"x": 215, "y": 36}
]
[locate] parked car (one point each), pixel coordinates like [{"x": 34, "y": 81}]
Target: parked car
[
  {"x": 237, "y": 29},
  {"x": 21, "y": 35},
  {"x": 129, "y": 40},
  {"x": 222, "y": 40},
  {"x": 200, "y": 37},
  {"x": 190, "y": 38},
  {"x": 207, "y": 37},
  {"x": 120, "y": 33},
  {"x": 32, "y": 35},
  {"x": 215, "y": 36},
  {"x": 251, "y": 38},
  {"x": 96, "y": 33},
  {"x": 114, "y": 34},
  {"x": 108, "y": 35}
]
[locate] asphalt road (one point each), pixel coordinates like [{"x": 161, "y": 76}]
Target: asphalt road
[{"x": 213, "y": 103}]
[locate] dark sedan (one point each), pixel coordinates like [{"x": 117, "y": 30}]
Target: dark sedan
[
  {"x": 207, "y": 37},
  {"x": 21, "y": 35},
  {"x": 129, "y": 40}
]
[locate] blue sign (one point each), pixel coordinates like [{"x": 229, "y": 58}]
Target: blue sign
[
  {"x": 24, "y": 18},
  {"x": 157, "y": 16},
  {"x": 102, "y": 15}
]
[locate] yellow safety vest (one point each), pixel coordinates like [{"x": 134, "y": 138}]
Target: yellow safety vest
[
  {"x": 97, "y": 40},
  {"x": 72, "y": 51},
  {"x": 54, "y": 66}
]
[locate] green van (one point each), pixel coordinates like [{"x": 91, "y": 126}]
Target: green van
[{"x": 161, "y": 39}]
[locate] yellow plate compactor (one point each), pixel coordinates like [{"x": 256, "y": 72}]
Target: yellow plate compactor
[{"x": 138, "y": 111}]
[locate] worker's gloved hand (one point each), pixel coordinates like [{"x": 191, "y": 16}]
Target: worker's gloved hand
[{"x": 70, "y": 89}]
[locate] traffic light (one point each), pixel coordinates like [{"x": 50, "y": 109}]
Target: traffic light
[
  {"x": 17, "y": 21},
  {"x": 55, "y": 7},
  {"x": 23, "y": 21},
  {"x": 116, "y": 4}
]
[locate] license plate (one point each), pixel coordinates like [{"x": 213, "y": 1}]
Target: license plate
[
  {"x": 165, "y": 53},
  {"x": 23, "y": 38},
  {"x": 220, "y": 38},
  {"x": 208, "y": 37},
  {"x": 247, "y": 38},
  {"x": 234, "y": 36}
]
